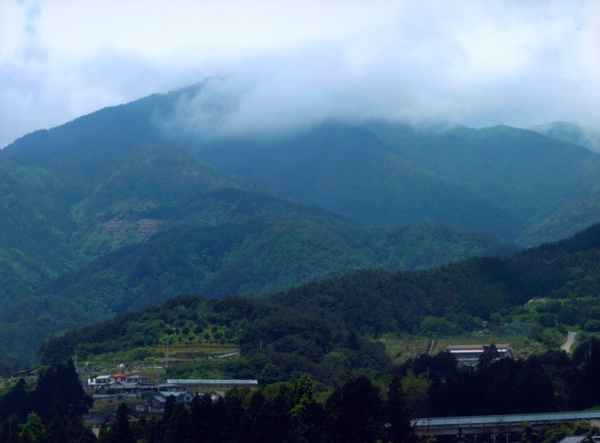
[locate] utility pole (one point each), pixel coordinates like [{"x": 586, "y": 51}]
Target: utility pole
[{"x": 167, "y": 352}]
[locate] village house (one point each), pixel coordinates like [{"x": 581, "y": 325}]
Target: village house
[
  {"x": 121, "y": 382},
  {"x": 101, "y": 382},
  {"x": 133, "y": 383},
  {"x": 158, "y": 401}
]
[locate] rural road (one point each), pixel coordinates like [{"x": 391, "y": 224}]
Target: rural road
[{"x": 566, "y": 346}]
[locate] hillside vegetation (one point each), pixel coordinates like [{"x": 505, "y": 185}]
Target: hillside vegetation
[
  {"x": 330, "y": 329},
  {"x": 122, "y": 209},
  {"x": 262, "y": 255}
]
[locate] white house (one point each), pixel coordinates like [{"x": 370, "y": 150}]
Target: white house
[{"x": 101, "y": 381}]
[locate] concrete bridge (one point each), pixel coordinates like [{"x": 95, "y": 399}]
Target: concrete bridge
[{"x": 495, "y": 424}]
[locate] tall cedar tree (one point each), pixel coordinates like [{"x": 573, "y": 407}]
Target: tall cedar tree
[
  {"x": 60, "y": 387},
  {"x": 354, "y": 412}
]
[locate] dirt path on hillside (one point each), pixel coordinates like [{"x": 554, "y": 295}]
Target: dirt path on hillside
[{"x": 566, "y": 346}]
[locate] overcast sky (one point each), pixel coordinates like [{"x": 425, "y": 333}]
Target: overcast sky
[{"x": 287, "y": 62}]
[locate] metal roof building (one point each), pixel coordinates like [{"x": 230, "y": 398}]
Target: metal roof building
[
  {"x": 469, "y": 354},
  {"x": 212, "y": 382}
]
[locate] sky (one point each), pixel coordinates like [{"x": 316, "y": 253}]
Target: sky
[{"x": 287, "y": 63}]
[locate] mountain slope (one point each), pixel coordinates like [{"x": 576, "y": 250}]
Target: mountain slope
[
  {"x": 319, "y": 327},
  {"x": 33, "y": 228},
  {"x": 57, "y": 219},
  {"x": 259, "y": 255},
  {"x": 504, "y": 180},
  {"x": 348, "y": 170},
  {"x": 109, "y": 212},
  {"x": 524, "y": 174},
  {"x": 570, "y": 133},
  {"x": 571, "y": 218}
]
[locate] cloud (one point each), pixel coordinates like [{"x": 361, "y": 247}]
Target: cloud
[
  {"x": 477, "y": 66},
  {"x": 282, "y": 65}
]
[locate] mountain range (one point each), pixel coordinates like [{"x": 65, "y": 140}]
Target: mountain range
[{"x": 123, "y": 208}]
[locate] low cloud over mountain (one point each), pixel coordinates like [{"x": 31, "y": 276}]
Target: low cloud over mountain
[{"x": 286, "y": 66}]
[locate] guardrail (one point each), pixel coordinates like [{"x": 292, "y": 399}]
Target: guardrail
[{"x": 494, "y": 423}]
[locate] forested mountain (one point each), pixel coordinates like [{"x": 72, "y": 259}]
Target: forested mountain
[
  {"x": 260, "y": 255},
  {"x": 504, "y": 180},
  {"x": 101, "y": 221},
  {"x": 570, "y": 133},
  {"x": 327, "y": 328},
  {"x": 525, "y": 175},
  {"x": 351, "y": 171},
  {"x": 128, "y": 206}
]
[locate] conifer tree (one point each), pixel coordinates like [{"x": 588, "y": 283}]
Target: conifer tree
[
  {"x": 397, "y": 414},
  {"x": 121, "y": 431},
  {"x": 34, "y": 430},
  {"x": 354, "y": 412},
  {"x": 60, "y": 387}
]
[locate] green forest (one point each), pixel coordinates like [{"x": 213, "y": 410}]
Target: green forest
[
  {"x": 333, "y": 265},
  {"x": 338, "y": 328},
  {"x": 360, "y": 409},
  {"x": 357, "y": 411},
  {"x": 99, "y": 222},
  {"x": 333, "y": 333}
]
